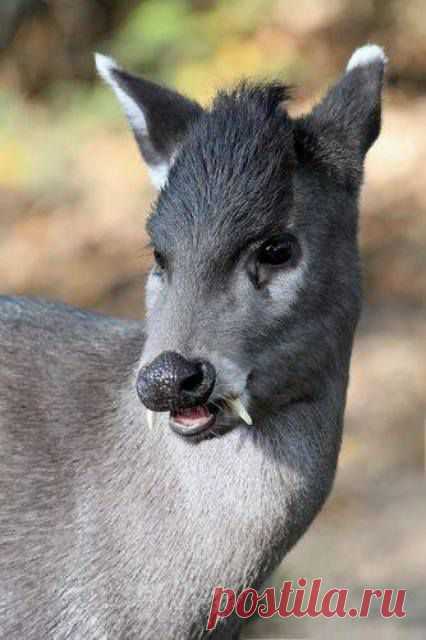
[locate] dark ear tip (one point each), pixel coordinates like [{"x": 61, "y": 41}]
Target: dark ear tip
[{"x": 366, "y": 56}]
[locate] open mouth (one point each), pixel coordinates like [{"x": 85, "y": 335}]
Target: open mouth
[{"x": 195, "y": 421}]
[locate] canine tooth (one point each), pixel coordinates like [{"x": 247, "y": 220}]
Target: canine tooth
[
  {"x": 237, "y": 407},
  {"x": 150, "y": 418}
]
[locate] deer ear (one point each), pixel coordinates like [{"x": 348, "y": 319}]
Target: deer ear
[
  {"x": 159, "y": 117},
  {"x": 349, "y": 117}
]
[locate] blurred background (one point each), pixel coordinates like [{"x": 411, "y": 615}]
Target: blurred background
[{"x": 74, "y": 196}]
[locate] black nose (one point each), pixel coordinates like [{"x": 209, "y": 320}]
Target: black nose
[{"x": 170, "y": 382}]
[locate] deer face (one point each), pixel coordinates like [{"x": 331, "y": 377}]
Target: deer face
[{"x": 254, "y": 294}]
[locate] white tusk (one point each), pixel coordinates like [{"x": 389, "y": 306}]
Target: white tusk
[
  {"x": 237, "y": 407},
  {"x": 151, "y": 418}
]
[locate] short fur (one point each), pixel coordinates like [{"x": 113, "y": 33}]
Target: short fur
[{"x": 110, "y": 530}]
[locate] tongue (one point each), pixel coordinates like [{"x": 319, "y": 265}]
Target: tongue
[{"x": 192, "y": 417}]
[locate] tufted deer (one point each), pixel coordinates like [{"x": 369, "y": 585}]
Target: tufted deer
[{"x": 144, "y": 464}]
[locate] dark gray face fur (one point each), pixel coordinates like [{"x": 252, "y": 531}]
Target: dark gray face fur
[{"x": 234, "y": 179}]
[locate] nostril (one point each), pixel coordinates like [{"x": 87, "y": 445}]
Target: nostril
[{"x": 192, "y": 382}]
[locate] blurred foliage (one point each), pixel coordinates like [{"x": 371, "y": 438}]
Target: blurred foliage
[
  {"x": 197, "y": 48},
  {"x": 42, "y": 41},
  {"x": 202, "y": 43}
]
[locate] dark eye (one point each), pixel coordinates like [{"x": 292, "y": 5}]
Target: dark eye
[
  {"x": 278, "y": 251},
  {"x": 159, "y": 260}
]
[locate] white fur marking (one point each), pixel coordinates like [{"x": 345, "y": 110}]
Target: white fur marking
[
  {"x": 105, "y": 67},
  {"x": 368, "y": 54}
]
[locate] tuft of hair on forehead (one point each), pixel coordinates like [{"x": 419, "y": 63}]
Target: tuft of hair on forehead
[
  {"x": 262, "y": 98},
  {"x": 234, "y": 169},
  {"x": 255, "y": 129},
  {"x": 252, "y": 111}
]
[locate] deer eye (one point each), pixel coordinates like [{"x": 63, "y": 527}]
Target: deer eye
[
  {"x": 279, "y": 251},
  {"x": 160, "y": 261}
]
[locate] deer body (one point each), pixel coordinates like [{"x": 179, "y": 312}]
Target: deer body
[{"x": 110, "y": 529}]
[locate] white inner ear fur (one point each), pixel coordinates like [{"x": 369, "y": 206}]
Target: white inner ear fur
[
  {"x": 368, "y": 54},
  {"x": 105, "y": 66}
]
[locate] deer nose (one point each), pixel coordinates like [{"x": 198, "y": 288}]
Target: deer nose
[{"x": 171, "y": 382}]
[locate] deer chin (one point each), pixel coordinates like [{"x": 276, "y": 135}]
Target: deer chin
[{"x": 193, "y": 421}]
